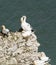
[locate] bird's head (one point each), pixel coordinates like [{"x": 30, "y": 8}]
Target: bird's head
[
  {"x": 43, "y": 54},
  {"x": 23, "y": 19},
  {"x": 3, "y": 26}
]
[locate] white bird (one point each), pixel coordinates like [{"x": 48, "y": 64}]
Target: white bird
[
  {"x": 25, "y": 26},
  {"x": 39, "y": 62},
  {"x": 44, "y": 57},
  {"x": 5, "y": 31}
]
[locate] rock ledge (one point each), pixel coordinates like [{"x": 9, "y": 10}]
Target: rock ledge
[{"x": 15, "y": 50}]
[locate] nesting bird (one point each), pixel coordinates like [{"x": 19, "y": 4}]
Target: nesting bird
[
  {"x": 4, "y": 30},
  {"x": 39, "y": 62},
  {"x": 25, "y": 26},
  {"x": 43, "y": 57}
]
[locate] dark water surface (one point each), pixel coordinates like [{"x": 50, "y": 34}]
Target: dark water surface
[{"x": 41, "y": 15}]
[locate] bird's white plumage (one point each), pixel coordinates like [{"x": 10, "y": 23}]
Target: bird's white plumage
[
  {"x": 26, "y": 33},
  {"x": 5, "y": 30},
  {"x": 25, "y": 26},
  {"x": 39, "y": 62},
  {"x": 45, "y": 58}
]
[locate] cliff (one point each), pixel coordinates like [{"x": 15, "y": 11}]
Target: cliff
[{"x": 16, "y": 50}]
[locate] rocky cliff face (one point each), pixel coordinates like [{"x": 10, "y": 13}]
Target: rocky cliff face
[{"x": 16, "y": 50}]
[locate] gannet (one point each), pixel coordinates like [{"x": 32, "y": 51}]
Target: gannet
[
  {"x": 39, "y": 62},
  {"x": 25, "y": 26},
  {"x": 44, "y": 57},
  {"x": 5, "y": 31}
]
